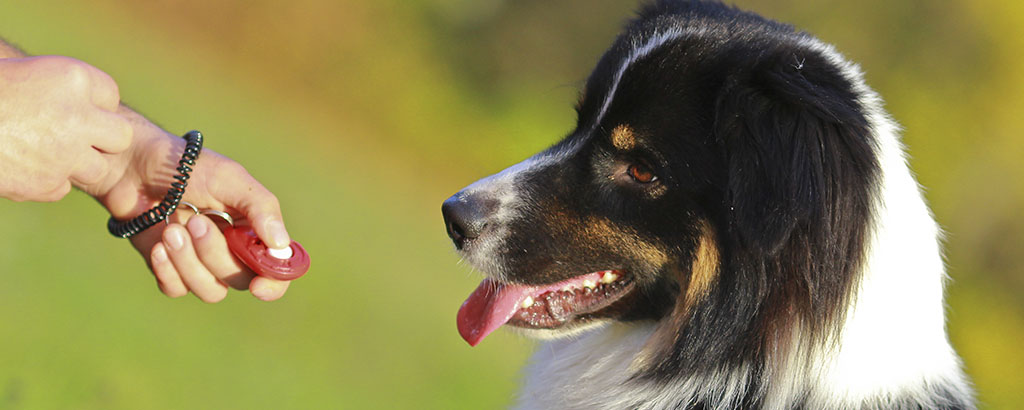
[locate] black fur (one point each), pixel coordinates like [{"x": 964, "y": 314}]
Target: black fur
[{"x": 766, "y": 140}]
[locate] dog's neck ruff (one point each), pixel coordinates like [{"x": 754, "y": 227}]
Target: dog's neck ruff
[{"x": 891, "y": 351}]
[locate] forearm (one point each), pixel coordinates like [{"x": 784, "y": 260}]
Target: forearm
[{"x": 9, "y": 51}]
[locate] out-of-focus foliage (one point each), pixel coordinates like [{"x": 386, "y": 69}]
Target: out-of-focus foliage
[{"x": 363, "y": 116}]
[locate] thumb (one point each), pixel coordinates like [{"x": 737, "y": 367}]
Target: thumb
[{"x": 232, "y": 185}]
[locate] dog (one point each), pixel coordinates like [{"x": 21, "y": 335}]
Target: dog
[{"x": 732, "y": 224}]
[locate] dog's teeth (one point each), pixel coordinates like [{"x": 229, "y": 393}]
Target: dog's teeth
[
  {"x": 608, "y": 277},
  {"x": 527, "y": 302},
  {"x": 589, "y": 284},
  {"x": 567, "y": 288}
]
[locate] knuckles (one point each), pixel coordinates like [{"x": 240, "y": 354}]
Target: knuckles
[
  {"x": 64, "y": 72},
  {"x": 76, "y": 78}
]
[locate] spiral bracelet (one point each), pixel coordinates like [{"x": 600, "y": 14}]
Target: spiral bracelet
[{"x": 125, "y": 229}]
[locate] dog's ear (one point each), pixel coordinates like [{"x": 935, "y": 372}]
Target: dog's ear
[{"x": 788, "y": 127}]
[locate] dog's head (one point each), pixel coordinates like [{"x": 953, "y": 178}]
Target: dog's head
[{"x": 719, "y": 175}]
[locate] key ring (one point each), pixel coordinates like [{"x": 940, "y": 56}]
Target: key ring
[
  {"x": 223, "y": 215},
  {"x": 188, "y": 204}
]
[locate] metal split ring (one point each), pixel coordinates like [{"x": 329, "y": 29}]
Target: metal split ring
[
  {"x": 223, "y": 215},
  {"x": 188, "y": 204}
]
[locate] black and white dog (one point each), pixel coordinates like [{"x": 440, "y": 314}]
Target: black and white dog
[{"x": 732, "y": 224}]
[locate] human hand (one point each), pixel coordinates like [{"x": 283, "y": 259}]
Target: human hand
[
  {"x": 190, "y": 253},
  {"x": 58, "y": 126}
]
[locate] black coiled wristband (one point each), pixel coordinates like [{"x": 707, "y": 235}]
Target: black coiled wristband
[{"x": 125, "y": 229}]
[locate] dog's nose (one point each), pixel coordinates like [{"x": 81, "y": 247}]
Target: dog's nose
[{"x": 466, "y": 216}]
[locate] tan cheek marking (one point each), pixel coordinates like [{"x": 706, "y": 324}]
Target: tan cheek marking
[
  {"x": 703, "y": 274},
  {"x": 623, "y": 138},
  {"x": 606, "y": 235},
  {"x": 705, "y": 268},
  {"x": 618, "y": 237}
]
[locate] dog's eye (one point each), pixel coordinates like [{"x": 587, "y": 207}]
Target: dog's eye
[{"x": 641, "y": 174}]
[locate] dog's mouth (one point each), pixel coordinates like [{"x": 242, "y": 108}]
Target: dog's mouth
[{"x": 549, "y": 306}]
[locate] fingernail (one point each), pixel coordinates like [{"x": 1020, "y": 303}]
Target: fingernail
[
  {"x": 159, "y": 255},
  {"x": 278, "y": 235},
  {"x": 198, "y": 228},
  {"x": 174, "y": 238}
]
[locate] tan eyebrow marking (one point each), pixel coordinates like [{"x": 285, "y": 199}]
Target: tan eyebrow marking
[{"x": 623, "y": 137}]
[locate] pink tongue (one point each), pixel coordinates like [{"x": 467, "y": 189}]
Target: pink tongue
[{"x": 487, "y": 308}]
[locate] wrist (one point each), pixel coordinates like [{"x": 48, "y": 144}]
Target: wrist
[
  {"x": 173, "y": 196},
  {"x": 139, "y": 176}
]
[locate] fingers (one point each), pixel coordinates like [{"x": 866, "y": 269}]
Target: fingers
[
  {"x": 98, "y": 167},
  {"x": 166, "y": 275},
  {"x": 108, "y": 131},
  {"x": 113, "y": 133},
  {"x": 267, "y": 289},
  {"x": 197, "y": 254},
  {"x": 148, "y": 242},
  {"x": 193, "y": 273},
  {"x": 65, "y": 111},
  {"x": 212, "y": 249},
  {"x": 195, "y": 257}
]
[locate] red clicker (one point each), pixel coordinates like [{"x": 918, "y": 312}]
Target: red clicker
[{"x": 282, "y": 264}]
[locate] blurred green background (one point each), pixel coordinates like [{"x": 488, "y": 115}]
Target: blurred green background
[{"x": 362, "y": 116}]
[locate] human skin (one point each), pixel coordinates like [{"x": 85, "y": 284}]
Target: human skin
[
  {"x": 45, "y": 101},
  {"x": 62, "y": 125}
]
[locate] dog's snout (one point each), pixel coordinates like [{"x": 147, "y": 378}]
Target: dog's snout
[{"x": 467, "y": 216}]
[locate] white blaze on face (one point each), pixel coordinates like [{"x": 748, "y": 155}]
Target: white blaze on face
[
  {"x": 640, "y": 48},
  {"x": 507, "y": 188}
]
